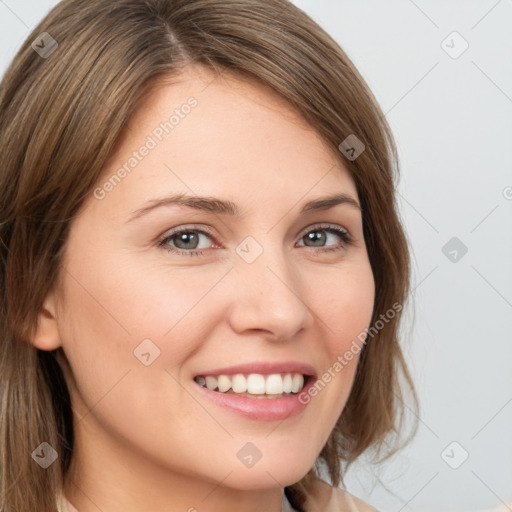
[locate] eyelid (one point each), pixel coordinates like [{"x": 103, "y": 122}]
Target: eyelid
[
  {"x": 325, "y": 225},
  {"x": 188, "y": 227}
]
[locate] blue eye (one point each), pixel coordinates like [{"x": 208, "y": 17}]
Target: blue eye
[{"x": 191, "y": 242}]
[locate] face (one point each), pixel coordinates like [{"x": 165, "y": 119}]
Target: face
[{"x": 159, "y": 296}]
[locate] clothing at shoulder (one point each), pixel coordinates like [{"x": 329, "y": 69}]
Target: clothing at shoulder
[
  {"x": 63, "y": 505},
  {"x": 326, "y": 498}
]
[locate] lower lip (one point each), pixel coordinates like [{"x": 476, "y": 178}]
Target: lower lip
[{"x": 263, "y": 409}]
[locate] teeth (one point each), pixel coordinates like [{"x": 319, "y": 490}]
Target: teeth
[
  {"x": 287, "y": 383},
  {"x": 211, "y": 382},
  {"x": 297, "y": 383},
  {"x": 254, "y": 383},
  {"x": 239, "y": 383},
  {"x": 223, "y": 383},
  {"x": 274, "y": 384}
]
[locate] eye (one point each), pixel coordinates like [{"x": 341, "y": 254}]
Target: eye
[
  {"x": 187, "y": 241},
  {"x": 320, "y": 236}
]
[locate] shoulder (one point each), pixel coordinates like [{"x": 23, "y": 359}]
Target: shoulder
[{"x": 326, "y": 498}]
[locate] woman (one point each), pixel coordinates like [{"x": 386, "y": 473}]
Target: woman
[{"x": 137, "y": 134}]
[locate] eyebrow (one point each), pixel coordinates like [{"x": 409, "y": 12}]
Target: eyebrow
[{"x": 226, "y": 207}]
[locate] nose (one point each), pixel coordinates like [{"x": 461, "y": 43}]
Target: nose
[{"x": 268, "y": 296}]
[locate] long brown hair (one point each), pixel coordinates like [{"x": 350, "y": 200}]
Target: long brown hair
[{"x": 61, "y": 114}]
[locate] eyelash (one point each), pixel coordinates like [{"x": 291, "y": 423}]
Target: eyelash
[{"x": 341, "y": 232}]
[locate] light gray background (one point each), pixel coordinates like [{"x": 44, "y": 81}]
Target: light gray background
[{"x": 452, "y": 119}]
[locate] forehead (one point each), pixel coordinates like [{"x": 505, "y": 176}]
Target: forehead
[{"x": 239, "y": 139}]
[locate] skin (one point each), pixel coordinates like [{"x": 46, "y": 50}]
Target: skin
[{"x": 145, "y": 437}]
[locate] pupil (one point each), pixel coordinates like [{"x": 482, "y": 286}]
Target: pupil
[
  {"x": 185, "y": 239},
  {"x": 317, "y": 237}
]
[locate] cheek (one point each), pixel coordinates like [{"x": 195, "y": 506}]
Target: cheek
[
  {"x": 123, "y": 302},
  {"x": 113, "y": 308},
  {"x": 343, "y": 303},
  {"x": 344, "y": 307},
  {"x": 107, "y": 314}
]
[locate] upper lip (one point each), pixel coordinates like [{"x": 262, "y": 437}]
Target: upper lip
[{"x": 265, "y": 367}]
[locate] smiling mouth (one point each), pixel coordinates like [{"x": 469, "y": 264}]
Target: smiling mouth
[{"x": 255, "y": 385}]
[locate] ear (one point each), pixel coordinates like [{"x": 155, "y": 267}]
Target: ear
[{"x": 46, "y": 335}]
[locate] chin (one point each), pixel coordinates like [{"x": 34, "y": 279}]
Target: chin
[{"x": 274, "y": 473}]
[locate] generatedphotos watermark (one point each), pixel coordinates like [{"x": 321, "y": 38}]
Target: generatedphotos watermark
[
  {"x": 152, "y": 141},
  {"x": 348, "y": 355}
]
